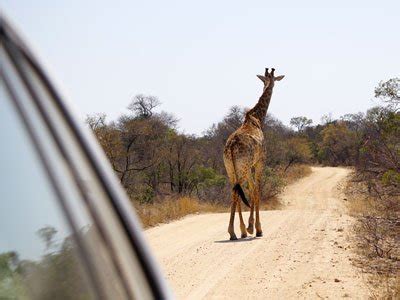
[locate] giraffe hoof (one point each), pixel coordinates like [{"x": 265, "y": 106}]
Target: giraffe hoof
[
  {"x": 250, "y": 230},
  {"x": 259, "y": 234},
  {"x": 244, "y": 235},
  {"x": 233, "y": 237}
]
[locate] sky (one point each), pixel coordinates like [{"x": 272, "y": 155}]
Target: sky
[{"x": 200, "y": 58}]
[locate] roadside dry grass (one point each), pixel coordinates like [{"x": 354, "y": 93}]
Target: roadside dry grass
[
  {"x": 166, "y": 210},
  {"x": 173, "y": 208},
  {"x": 297, "y": 172},
  {"x": 377, "y": 239}
]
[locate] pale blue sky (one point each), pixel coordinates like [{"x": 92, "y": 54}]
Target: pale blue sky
[{"x": 201, "y": 57}]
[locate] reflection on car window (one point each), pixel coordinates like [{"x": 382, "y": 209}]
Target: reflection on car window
[
  {"x": 67, "y": 198},
  {"x": 37, "y": 251},
  {"x": 110, "y": 252}
]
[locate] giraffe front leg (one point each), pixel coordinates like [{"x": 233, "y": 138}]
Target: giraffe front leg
[
  {"x": 250, "y": 228},
  {"x": 231, "y": 229},
  {"x": 259, "y": 232},
  {"x": 257, "y": 197},
  {"x": 242, "y": 226}
]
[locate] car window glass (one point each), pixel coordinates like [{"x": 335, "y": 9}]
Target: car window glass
[
  {"x": 37, "y": 254},
  {"x": 112, "y": 233},
  {"x": 97, "y": 261}
]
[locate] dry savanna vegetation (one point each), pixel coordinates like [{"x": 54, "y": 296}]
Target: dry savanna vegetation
[
  {"x": 376, "y": 237},
  {"x": 171, "y": 208},
  {"x": 373, "y": 193},
  {"x": 168, "y": 174}
]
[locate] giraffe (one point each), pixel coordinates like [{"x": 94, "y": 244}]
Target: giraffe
[{"x": 244, "y": 159}]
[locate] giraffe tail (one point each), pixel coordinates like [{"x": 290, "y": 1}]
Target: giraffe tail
[{"x": 238, "y": 189}]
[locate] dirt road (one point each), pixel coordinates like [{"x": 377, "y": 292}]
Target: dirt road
[{"x": 304, "y": 252}]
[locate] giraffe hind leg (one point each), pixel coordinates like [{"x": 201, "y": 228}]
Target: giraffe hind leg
[
  {"x": 242, "y": 226},
  {"x": 231, "y": 229}
]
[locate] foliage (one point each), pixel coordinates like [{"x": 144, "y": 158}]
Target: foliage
[
  {"x": 273, "y": 183},
  {"x": 169, "y": 174},
  {"x": 56, "y": 275},
  {"x": 300, "y": 123},
  {"x": 377, "y": 202},
  {"x": 47, "y": 234},
  {"x": 337, "y": 145},
  {"x": 376, "y": 236},
  {"x": 155, "y": 161},
  {"x": 380, "y": 152},
  {"x": 208, "y": 183},
  {"x": 389, "y": 92},
  {"x": 11, "y": 286},
  {"x": 298, "y": 150}
]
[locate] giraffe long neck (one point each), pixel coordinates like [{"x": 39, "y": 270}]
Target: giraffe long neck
[{"x": 260, "y": 109}]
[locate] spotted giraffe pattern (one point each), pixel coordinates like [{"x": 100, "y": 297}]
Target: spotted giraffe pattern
[{"x": 244, "y": 158}]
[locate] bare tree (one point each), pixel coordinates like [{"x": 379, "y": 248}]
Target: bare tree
[
  {"x": 96, "y": 121},
  {"x": 143, "y": 106}
]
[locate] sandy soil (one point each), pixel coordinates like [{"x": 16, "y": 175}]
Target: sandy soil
[{"x": 304, "y": 253}]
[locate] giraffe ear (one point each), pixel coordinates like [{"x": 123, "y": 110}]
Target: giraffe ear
[
  {"x": 278, "y": 78},
  {"x": 262, "y": 78}
]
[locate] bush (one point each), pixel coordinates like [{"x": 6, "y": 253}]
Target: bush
[{"x": 273, "y": 183}]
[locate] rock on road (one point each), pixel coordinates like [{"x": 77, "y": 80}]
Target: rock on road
[{"x": 304, "y": 253}]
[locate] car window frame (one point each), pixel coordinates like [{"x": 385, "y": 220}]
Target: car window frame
[{"x": 95, "y": 157}]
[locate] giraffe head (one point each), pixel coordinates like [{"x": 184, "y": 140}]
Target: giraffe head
[{"x": 269, "y": 78}]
